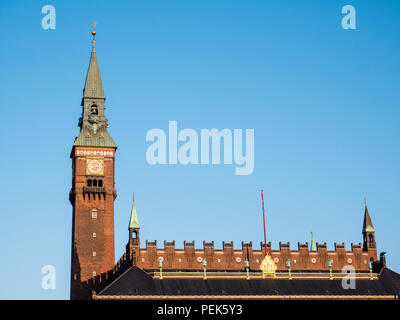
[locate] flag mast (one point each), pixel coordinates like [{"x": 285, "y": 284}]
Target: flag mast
[
  {"x": 265, "y": 232},
  {"x": 268, "y": 266}
]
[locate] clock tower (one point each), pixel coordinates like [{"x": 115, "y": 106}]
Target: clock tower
[{"x": 93, "y": 188}]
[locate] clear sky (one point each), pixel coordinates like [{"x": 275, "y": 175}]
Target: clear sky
[{"x": 323, "y": 101}]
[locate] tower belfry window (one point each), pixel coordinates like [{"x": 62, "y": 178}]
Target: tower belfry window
[
  {"x": 371, "y": 238},
  {"x": 93, "y": 109}
]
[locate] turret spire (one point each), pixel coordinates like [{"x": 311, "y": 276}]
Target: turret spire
[
  {"x": 313, "y": 246},
  {"x": 134, "y": 221},
  {"x": 134, "y": 228},
  {"x": 368, "y": 231},
  {"x": 367, "y": 226}
]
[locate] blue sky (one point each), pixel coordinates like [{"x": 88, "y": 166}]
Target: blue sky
[{"x": 323, "y": 102}]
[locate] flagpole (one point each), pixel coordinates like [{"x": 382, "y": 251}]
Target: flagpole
[{"x": 265, "y": 232}]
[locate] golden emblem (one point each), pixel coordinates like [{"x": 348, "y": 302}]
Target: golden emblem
[{"x": 268, "y": 266}]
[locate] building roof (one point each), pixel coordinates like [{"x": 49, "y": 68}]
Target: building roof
[
  {"x": 136, "y": 283},
  {"x": 87, "y": 138}
]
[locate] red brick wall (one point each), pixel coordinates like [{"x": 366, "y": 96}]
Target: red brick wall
[{"x": 83, "y": 243}]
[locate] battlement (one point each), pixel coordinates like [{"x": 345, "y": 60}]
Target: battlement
[
  {"x": 208, "y": 245},
  {"x": 169, "y": 244},
  {"x": 230, "y": 259},
  {"x": 284, "y": 246},
  {"x": 151, "y": 244},
  {"x": 321, "y": 246}
]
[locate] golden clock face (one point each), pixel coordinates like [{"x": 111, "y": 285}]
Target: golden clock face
[{"x": 95, "y": 166}]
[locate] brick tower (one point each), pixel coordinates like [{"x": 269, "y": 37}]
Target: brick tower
[{"x": 92, "y": 194}]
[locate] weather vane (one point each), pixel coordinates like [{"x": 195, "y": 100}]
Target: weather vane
[{"x": 94, "y": 31}]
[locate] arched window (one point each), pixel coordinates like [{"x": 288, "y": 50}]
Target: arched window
[
  {"x": 95, "y": 183},
  {"x": 100, "y": 183},
  {"x": 93, "y": 109},
  {"x": 89, "y": 183},
  {"x": 134, "y": 235}
]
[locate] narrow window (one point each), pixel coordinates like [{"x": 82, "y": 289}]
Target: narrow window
[
  {"x": 94, "y": 214},
  {"x": 94, "y": 234}
]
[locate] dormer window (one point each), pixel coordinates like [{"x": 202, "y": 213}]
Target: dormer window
[{"x": 93, "y": 110}]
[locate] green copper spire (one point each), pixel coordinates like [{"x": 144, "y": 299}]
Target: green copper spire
[
  {"x": 93, "y": 84},
  {"x": 134, "y": 222},
  {"x": 313, "y": 246},
  {"x": 93, "y": 122}
]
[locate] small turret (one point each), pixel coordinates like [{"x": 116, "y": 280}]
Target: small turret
[
  {"x": 134, "y": 226},
  {"x": 368, "y": 231}
]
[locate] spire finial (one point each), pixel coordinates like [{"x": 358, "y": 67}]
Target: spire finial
[
  {"x": 365, "y": 201},
  {"x": 133, "y": 196},
  {"x": 94, "y": 34}
]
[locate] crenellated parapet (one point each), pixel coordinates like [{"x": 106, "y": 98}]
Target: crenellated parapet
[
  {"x": 306, "y": 257},
  {"x": 230, "y": 259},
  {"x": 99, "y": 282}
]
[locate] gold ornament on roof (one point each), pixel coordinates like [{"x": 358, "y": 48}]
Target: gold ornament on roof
[
  {"x": 94, "y": 26},
  {"x": 268, "y": 266}
]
